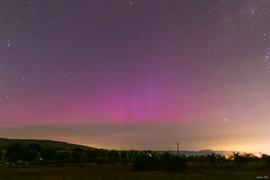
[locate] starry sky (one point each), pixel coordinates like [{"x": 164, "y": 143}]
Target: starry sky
[{"x": 121, "y": 74}]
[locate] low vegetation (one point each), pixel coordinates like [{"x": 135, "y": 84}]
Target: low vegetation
[{"x": 35, "y": 156}]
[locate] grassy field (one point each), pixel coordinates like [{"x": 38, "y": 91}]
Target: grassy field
[{"x": 125, "y": 172}]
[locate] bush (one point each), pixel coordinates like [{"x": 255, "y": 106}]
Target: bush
[
  {"x": 211, "y": 158},
  {"x": 1, "y": 153},
  {"x": 170, "y": 162},
  {"x": 146, "y": 162},
  {"x": 178, "y": 163},
  {"x": 266, "y": 158},
  {"x": 33, "y": 152},
  {"x": 63, "y": 155},
  {"x": 14, "y": 152},
  {"x": 124, "y": 154},
  {"x": 114, "y": 155},
  {"x": 155, "y": 161},
  {"x": 78, "y": 154},
  {"x": 242, "y": 158},
  {"x": 49, "y": 154}
]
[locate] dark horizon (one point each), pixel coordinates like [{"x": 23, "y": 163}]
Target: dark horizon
[{"x": 184, "y": 151}]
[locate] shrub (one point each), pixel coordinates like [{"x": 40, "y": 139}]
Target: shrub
[
  {"x": 266, "y": 158},
  {"x": 170, "y": 162},
  {"x": 33, "y": 152},
  {"x": 114, "y": 155},
  {"x": 14, "y": 152},
  {"x": 49, "y": 154},
  {"x": 124, "y": 154},
  {"x": 145, "y": 162},
  {"x": 1, "y": 153},
  {"x": 148, "y": 161},
  {"x": 242, "y": 158},
  {"x": 178, "y": 163},
  {"x": 78, "y": 154},
  {"x": 211, "y": 158}
]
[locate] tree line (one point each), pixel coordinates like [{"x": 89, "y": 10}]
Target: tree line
[
  {"x": 34, "y": 153},
  {"x": 141, "y": 160}
]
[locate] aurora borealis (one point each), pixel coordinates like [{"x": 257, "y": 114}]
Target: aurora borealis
[{"x": 137, "y": 74}]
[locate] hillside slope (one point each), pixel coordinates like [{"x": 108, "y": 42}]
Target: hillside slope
[{"x": 45, "y": 143}]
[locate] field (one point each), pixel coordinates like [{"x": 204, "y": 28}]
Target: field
[{"x": 95, "y": 171}]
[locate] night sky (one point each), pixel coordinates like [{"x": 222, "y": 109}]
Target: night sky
[{"x": 137, "y": 74}]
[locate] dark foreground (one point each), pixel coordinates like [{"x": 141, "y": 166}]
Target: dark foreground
[{"x": 124, "y": 171}]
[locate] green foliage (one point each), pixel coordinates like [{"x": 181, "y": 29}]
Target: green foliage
[
  {"x": 101, "y": 155},
  {"x": 243, "y": 158},
  {"x": 139, "y": 160},
  {"x": 14, "y": 152},
  {"x": 266, "y": 159},
  {"x": 49, "y": 154},
  {"x": 88, "y": 155},
  {"x": 148, "y": 161},
  {"x": 113, "y": 154},
  {"x": 78, "y": 154},
  {"x": 212, "y": 158},
  {"x": 124, "y": 154},
  {"x": 208, "y": 158},
  {"x": 64, "y": 156},
  {"x": 132, "y": 154},
  {"x": 177, "y": 163},
  {"x": 33, "y": 152},
  {"x": 170, "y": 162},
  {"x": 1, "y": 153}
]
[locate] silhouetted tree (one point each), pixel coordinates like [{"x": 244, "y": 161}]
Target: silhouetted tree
[
  {"x": 145, "y": 162},
  {"x": 78, "y": 154},
  {"x": 97, "y": 155},
  {"x": 266, "y": 158},
  {"x": 113, "y": 154},
  {"x": 103, "y": 153},
  {"x": 33, "y": 152},
  {"x": 171, "y": 162},
  {"x": 211, "y": 157},
  {"x": 14, "y": 152},
  {"x": 63, "y": 156},
  {"x": 49, "y": 154},
  {"x": 124, "y": 154},
  {"x": 1, "y": 153},
  {"x": 89, "y": 155}
]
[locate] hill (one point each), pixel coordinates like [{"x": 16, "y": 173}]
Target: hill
[
  {"x": 208, "y": 151},
  {"x": 45, "y": 143},
  {"x": 202, "y": 152},
  {"x": 58, "y": 145}
]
